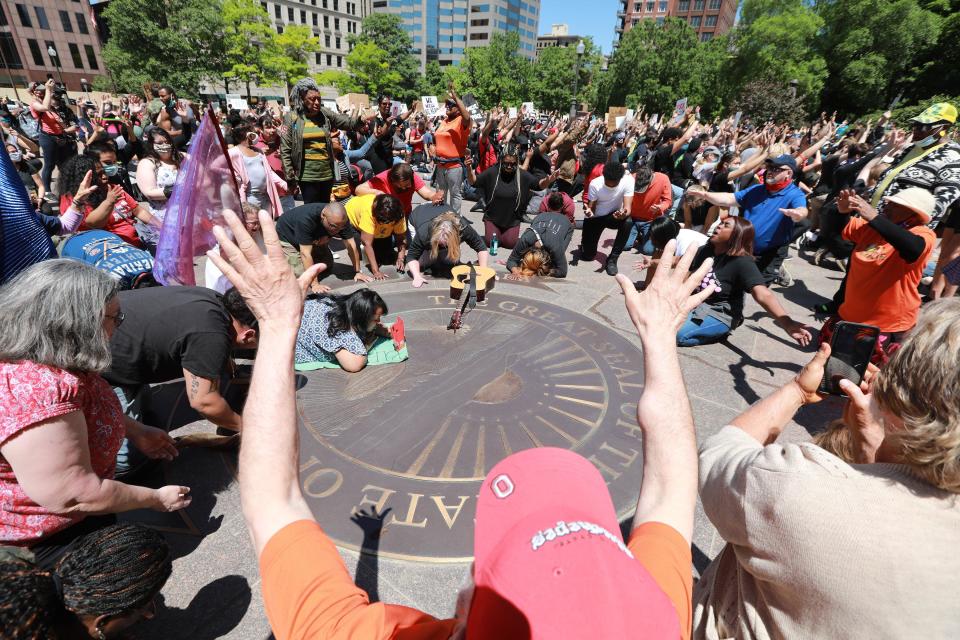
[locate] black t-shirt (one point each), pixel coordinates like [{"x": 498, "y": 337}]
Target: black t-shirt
[
  {"x": 302, "y": 226},
  {"x": 381, "y": 153},
  {"x": 505, "y": 207},
  {"x": 736, "y": 275},
  {"x": 167, "y": 330},
  {"x": 420, "y": 223},
  {"x": 663, "y": 159}
]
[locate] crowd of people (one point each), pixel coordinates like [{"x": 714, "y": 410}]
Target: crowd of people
[{"x": 816, "y": 533}]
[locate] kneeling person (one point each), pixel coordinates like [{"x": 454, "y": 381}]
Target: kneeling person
[
  {"x": 340, "y": 328},
  {"x": 305, "y": 233},
  {"x": 172, "y": 332},
  {"x": 541, "y": 249},
  {"x": 382, "y": 227},
  {"x": 437, "y": 237}
]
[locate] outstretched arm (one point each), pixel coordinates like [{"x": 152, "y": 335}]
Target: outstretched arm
[
  {"x": 270, "y": 452},
  {"x": 668, "y": 490}
]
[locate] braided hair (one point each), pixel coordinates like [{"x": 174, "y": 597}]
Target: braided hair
[
  {"x": 112, "y": 571},
  {"x": 29, "y": 606},
  {"x": 115, "y": 570},
  {"x": 299, "y": 91},
  {"x": 514, "y": 151}
]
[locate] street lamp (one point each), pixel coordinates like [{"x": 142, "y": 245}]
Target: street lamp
[
  {"x": 56, "y": 60},
  {"x": 576, "y": 77}
]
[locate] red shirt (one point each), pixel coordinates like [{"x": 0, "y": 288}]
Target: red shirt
[
  {"x": 381, "y": 183},
  {"x": 488, "y": 157},
  {"x": 119, "y": 222},
  {"x": 49, "y": 121},
  {"x": 658, "y": 193},
  {"x": 32, "y": 393}
]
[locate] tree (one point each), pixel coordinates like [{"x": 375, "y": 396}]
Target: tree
[
  {"x": 371, "y": 70},
  {"x": 777, "y": 41},
  {"x": 286, "y": 59},
  {"x": 551, "y": 79},
  {"x": 655, "y": 65},
  {"x": 385, "y": 30},
  {"x": 875, "y": 49},
  {"x": 248, "y": 36},
  {"x": 176, "y": 43},
  {"x": 762, "y": 100},
  {"x": 497, "y": 72}
]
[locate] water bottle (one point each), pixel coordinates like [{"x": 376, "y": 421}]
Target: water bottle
[{"x": 494, "y": 243}]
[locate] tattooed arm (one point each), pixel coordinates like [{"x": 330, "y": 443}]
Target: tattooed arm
[{"x": 204, "y": 396}]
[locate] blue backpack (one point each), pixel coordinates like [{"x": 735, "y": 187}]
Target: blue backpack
[{"x": 106, "y": 251}]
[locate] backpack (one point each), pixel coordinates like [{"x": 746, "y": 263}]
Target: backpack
[{"x": 108, "y": 252}]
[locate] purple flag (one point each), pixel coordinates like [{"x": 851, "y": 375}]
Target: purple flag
[{"x": 205, "y": 187}]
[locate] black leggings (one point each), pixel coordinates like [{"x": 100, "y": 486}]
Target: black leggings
[
  {"x": 54, "y": 155},
  {"x": 316, "y": 191},
  {"x": 593, "y": 229}
]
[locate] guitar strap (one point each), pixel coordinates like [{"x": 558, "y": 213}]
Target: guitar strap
[{"x": 469, "y": 301}]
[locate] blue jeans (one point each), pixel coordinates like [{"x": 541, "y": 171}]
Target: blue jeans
[
  {"x": 677, "y": 196},
  {"x": 133, "y": 401},
  {"x": 641, "y": 228},
  {"x": 696, "y": 332}
]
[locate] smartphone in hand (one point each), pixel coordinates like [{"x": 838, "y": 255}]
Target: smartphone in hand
[{"x": 851, "y": 348}]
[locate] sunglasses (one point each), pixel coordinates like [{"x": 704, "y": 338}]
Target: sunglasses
[{"x": 509, "y": 165}]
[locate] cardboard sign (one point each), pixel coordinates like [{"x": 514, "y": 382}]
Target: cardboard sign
[
  {"x": 513, "y": 112},
  {"x": 654, "y": 119},
  {"x": 472, "y": 107},
  {"x": 620, "y": 120},
  {"x": 630, "y": 114},
  {"x": 329, "y": 104},
  {"x": 351, "y": 100},
  {"x": 396, "y": 108},
  {"x": 432, "y": 107},
  {"x": 239, "y": 104},
  {"x": 530, "y": 110}
]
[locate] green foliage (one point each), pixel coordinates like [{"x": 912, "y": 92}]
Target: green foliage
[
  {"x": 777, "y": 41},
  {"x": 552, "y": 75},
  {"x": 875, "y": 49},
  {"x": 285, "y": 60},
  {"x": 655, "y": 65},
  {"x": 371, "y": 71},
  {"x": 248, "y": 38},
  {"x": 901, "y": 115},
  {"x": 385, "y": 30},
  {"x": 178, "y": 43},
  {"x": 497, "y": 72}
]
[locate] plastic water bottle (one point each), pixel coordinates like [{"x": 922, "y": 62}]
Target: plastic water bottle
[{"x": 494, "y": 243}]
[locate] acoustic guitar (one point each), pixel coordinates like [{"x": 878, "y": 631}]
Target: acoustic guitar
[
  {"x": 476, "y": 281},
  {"x": 460, "y": 280}
]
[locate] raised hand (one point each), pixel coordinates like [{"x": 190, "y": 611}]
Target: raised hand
[
  {"x": 665, "y": 303},
  {"x": 85, "y": 189},
  {"x": 266, "y": 281}
]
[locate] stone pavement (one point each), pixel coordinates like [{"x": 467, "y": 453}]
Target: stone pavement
[{"x": 214, "y": 591}]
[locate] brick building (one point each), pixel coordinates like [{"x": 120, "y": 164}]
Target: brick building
[{"x": 708, "y": 18}]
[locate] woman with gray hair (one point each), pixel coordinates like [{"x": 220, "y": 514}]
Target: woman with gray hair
[
  {"x": 305, "y": 149},
  {"x": 60, "y": 423},
  {"x": 858, "y": 537}
]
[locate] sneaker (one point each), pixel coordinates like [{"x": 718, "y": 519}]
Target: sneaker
[
  {"x": 926, "y": 280},
  {"x": 783, "y": 278},
  {"x": 818, "y": 256},
  {"x": 611, "y": 267}
]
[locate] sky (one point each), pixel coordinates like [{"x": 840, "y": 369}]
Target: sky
[{"x": 595, "y": 18}]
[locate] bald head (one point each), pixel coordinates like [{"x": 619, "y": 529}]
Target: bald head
[{"x": 334, "y": 218}]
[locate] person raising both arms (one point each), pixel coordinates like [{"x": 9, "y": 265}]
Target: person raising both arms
[{"x": 450, "y": 142}]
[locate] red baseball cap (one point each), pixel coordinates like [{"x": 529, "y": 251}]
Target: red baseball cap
[{"x": 550, "y": 561}]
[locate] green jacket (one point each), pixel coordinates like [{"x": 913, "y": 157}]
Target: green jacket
[{"x": 291, "y": 142}]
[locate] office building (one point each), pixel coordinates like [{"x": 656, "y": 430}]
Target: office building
[
  {"x": 708, "y": 18},
  {"x": 331, "y": 21},
  {"x": 41, "y": 37},
  {"x": 559, "y": 36},
  {"x": 442, "y": 30}
]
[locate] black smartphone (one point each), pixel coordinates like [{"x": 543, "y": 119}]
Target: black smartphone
[{"x": 851, "y": 347}]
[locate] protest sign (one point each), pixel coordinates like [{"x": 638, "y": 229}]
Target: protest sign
[
  {"x": 431, "y": 106},
  {"x": 472, "y": 107},
  {"x": 680, "y": 108}
]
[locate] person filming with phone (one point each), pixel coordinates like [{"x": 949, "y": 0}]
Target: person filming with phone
[
  {"x": 856, "y": 537},
  {"x": 890, "y": 252}
]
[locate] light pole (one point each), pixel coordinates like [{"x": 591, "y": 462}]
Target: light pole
[
  {"x": 56, "y": 60},
  {"x": 576, "y": 77}
]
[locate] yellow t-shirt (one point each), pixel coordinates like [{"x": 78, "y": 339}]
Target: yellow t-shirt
[{"x": 360, "y": 213}]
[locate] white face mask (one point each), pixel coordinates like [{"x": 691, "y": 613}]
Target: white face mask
[
  {"x": 16, "y": 156},
  {"x": 930, "y": 140}
]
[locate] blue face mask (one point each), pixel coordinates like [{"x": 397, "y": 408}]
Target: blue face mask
[{"x": 111, "y": 170}]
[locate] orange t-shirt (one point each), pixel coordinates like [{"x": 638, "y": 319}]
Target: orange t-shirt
[
  {"x": 881, "y": 286},
  {"x": 309, "y": 594},
  {"x": 450, "y": 139},
  {"x": 658, "y": 192}
]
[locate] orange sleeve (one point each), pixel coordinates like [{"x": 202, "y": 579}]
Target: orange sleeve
[
  {"x": 308, "y": 593},
  {"x": 667, "y": 557}
]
